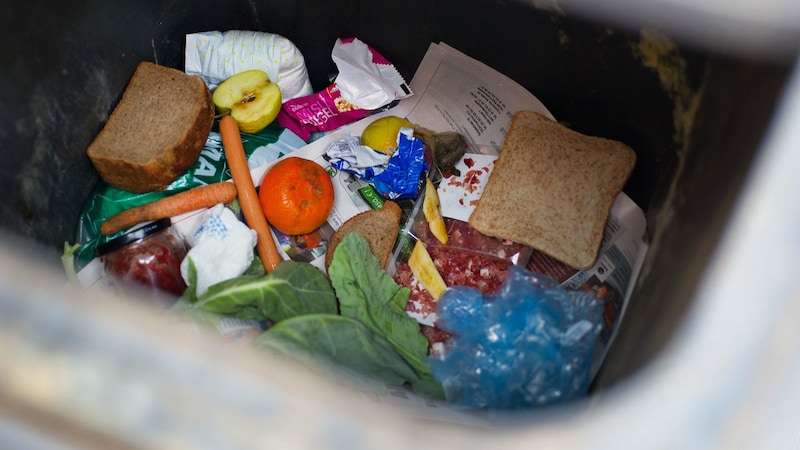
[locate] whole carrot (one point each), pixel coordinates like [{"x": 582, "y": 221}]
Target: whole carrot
[
  {"x": 248, "y": 197},
  {"x": 182, "y": 202}
]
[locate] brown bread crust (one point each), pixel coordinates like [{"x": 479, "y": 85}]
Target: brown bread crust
[
  {"x": 155, "y": 132},
  {"x": 552, "y": 189},
  {"x": 379, "y": 227}
]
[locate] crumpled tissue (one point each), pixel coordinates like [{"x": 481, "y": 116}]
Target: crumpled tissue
[{"x": 222, "y": 248}]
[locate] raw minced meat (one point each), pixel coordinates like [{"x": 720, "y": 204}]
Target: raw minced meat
[
  {"x": 458, "y": 268},
  {"x": 468, "y": 259}
]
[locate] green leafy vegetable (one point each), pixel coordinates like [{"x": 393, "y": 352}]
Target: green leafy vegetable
[
  {"x": 256, "y": 266},
  {"x": 368, "y": 294},
  {"x": 292, "y": 289},
  {"x": 184, "y": 308},
  {"x": 353, "y": 325},
  {"x": 190, "y": 294},
  {"x": 68, "y": 261},
  {"x": 338, "y": 346}
]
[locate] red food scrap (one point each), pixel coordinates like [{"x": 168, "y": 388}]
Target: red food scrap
[
  {"x": 471, "y": 178},
  {"x": 470, "y": 258},
  {"x": 435, "y": 335}
]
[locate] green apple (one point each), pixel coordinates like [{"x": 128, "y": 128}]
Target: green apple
[{"x": 250, "y": 98}]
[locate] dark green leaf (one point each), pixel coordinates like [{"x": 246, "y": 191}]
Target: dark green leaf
[
  {"x": 368, "y": 294},
  {"x": 338, "y": 346},
  {"x": 184, "y": 310},
  {"x": 292, "y": 289},
  {"x": 256, "y": 267}
]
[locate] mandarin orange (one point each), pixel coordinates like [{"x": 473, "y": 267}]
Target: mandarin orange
[{"x": 296, "y": 195}]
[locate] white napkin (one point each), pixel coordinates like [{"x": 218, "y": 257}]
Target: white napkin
[{"x": 221, "y": 248}]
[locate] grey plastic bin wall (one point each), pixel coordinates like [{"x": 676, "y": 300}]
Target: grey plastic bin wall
[{"x": 705, "y": 357}]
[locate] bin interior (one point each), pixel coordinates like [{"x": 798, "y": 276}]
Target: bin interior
[{"x": 694, "y": 116}]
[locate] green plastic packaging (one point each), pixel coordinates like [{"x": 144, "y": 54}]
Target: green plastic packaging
[{"x": 210, "y": 167}]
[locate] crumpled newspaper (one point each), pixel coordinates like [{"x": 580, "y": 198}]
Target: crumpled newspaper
[
  {"x": 221, "y": 248},
  {"x": 215, "y": 56}
]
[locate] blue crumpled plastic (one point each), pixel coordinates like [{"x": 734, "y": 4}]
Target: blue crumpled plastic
[
  {"x": 402, "y": 177},
  {"x": 530, "y": 344}
]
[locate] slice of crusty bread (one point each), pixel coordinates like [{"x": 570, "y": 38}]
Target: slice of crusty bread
[
  {"x": 552, "y": 189},
  {"x": 379, "y": 227},
  {"x": 155, "y": 132}
]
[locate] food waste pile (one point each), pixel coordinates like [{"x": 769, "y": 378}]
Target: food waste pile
[{"x": 223, "y": 221}]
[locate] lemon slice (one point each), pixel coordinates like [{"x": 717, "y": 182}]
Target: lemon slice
[
  {"x": 424, "y": 269},
  {"x": 432, "y": 209}
]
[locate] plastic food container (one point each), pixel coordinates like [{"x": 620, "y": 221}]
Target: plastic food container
[{"x": 149, "y": 255}]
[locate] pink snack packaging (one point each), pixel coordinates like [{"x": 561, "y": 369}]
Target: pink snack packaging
[
  {"x": 324, "y": 111},
  {"x": 365, "y": 83}
]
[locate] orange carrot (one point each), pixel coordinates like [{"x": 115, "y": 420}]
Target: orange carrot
[
  {"x": 248, "y": 197},
  {"x": 182, "y": 202}
]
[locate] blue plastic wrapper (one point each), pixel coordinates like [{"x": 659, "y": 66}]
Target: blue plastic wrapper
[
  {"x": 347, "y": 154},
  {"x": 529, "y": 344},
  {"x": 402, "y": 177}
]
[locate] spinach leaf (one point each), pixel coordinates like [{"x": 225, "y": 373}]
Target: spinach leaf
[
  {"x": 368, "y": 294},
  {"x": 190, "y": 293},
  {"x": 256, "y": 267},
  {"x": 292, "y": 289},
  {"x": 338, "y": 346},
  {"x": 184, "y": 311}
]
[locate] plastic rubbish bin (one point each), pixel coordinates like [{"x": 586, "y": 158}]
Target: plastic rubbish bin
[{"x": 706, "y": 355}]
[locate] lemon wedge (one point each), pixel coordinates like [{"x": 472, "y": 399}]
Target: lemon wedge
[
  {"x": 424, "y": 269},
  {"x": 432, "y": 209}
]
